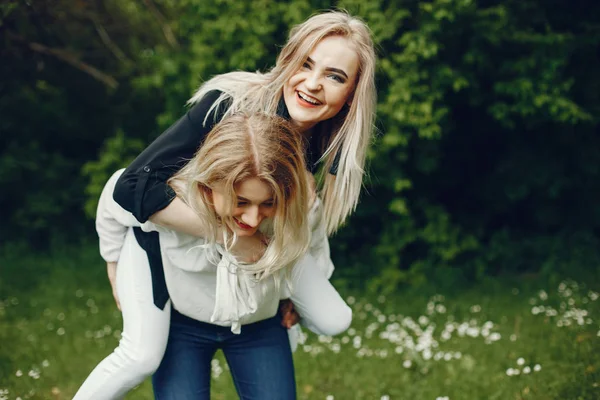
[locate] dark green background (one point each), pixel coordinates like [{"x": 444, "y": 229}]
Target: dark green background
[{"x": 486, "y": 160}]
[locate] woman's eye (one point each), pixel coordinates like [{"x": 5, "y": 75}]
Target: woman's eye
[
  {"x": 241, "y": 203},
  {"x": 306, "y": 65},
  {"x": 337, "y": 78},
  {"x": 269, "y": 205}
]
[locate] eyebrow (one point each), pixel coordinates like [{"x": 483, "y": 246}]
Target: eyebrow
[
  {"x": 240, "y": 198},
  {"x": 339, "y": 71}
]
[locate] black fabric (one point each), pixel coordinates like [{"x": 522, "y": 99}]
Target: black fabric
[
  {"x": 149, "y": 242},
  {"x": 142, "y": 188}
]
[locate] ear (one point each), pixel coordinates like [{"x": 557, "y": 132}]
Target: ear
[
  {"x": 350, "y": 98},
  {"x": 206, "y": 193}
]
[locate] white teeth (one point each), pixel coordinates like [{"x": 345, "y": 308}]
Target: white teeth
[{"x": 308, "y": 99}]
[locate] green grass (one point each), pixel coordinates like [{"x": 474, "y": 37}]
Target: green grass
[{"x": 58, "y": 320}]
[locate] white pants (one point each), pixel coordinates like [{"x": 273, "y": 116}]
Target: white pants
[{"x": 145, "y": 330}]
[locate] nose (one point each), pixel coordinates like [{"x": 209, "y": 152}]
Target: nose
[
  {"x": 252, "y": 216},
  {"x": 312, "y": 82}
]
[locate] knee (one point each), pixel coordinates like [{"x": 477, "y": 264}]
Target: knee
[
  {"x": 140, "y": 362},
  {"x": 149, "y": 363}
]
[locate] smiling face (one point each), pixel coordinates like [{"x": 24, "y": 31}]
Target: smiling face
[
  {"x": 324, "y": 83},
  {"x": 254, "y": 203}
]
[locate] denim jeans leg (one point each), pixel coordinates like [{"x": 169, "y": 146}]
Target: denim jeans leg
[
  {"x": 261, "y": 363},
  {"x": 184, "y": 373}
]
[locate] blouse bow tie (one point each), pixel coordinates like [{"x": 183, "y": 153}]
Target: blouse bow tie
[{"x": 235, "y": 297}]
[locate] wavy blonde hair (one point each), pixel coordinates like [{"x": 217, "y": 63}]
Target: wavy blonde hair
[
  {"x": 245, "y": 146},
  {"x": 351, "y": 131}
]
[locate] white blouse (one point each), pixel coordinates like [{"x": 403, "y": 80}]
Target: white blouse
[{"x": 205, "y": 282}]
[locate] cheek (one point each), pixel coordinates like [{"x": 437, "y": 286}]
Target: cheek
[
  {"x": 218, "y": 204},
  {"x": 340, "y": 98},
  {"x": 293, "y": 81}
]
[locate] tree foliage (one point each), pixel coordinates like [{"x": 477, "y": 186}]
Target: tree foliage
[{"x": 487, "y": 154}]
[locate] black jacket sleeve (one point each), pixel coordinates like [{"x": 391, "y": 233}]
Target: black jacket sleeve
[{"x": 142, "y": 189}]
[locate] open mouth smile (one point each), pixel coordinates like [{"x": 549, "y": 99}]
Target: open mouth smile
[{"x": 308, "y": 99}]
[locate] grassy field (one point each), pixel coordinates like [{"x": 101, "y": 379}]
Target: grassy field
[{"x": 509, "y": 338}]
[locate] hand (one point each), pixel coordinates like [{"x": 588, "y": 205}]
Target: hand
[
  {"x": 111, "y": 269},
  {"x": 289, "y": 315},
  {"x": 249, "y": 249}
]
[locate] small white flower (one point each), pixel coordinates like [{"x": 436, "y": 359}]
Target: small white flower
[
  {"x": 45, "y": 363},
  {"x": 385, "y": 397},
  {"x": 475, "y": 308},
  {"x": 520, "y": 361},
  {"x": 329, "y": 397},
  {"x": 509, "y": 372},
  {"x": 494, "y": 337},
  {"x": 350, "y": 300},
  {"x": 19, "y": 373},
  {"x": 526, "y": 370},
  {"x": 407, "y": 364},
  {"x": 537, "y": 367},
  {"x": 513, "y": 338}
]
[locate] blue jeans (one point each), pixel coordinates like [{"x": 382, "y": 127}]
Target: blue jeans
[{"x": 260, "y": 360}]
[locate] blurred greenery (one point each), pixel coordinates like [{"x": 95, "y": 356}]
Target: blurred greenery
[
  {"x": 488, "y": 154},
  {"x": 460, "y": 343}
]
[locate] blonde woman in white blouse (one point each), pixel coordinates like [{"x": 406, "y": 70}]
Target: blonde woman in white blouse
[{"x": 264, "y": 240}]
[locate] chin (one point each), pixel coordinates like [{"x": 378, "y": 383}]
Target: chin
[{"x": 240, "y": 232}]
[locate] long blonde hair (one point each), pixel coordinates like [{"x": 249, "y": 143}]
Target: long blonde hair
[
  {"x": 245, "y": 146},
  {"x": 351, "y": 131}
]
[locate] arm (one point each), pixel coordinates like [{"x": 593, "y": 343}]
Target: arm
[
  {"x": 112, "y": 222},
  {"x": 318, "y": 250},
  {"x": 142, "y": 189},
  {"x": 322, "y": 308}
]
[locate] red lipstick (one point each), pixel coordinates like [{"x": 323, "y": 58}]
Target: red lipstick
[{"x": 242, "y": 225}]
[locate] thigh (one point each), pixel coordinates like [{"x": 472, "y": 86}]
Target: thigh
[
  {"x": 145, "y": 326},
  {"x": 184, "y": 373},
  {"x": 260, "y": 360}
]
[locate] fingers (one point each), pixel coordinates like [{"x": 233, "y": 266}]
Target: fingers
[
  {"x": 111, "y": 269},
  {"x": 289, "y": 316},
  {"x": 117, "y": 300}
]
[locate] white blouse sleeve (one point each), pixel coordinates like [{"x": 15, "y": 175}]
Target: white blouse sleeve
[
  {"x": 112, "y": 222},
  {"x": 321, "y": 307}
]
